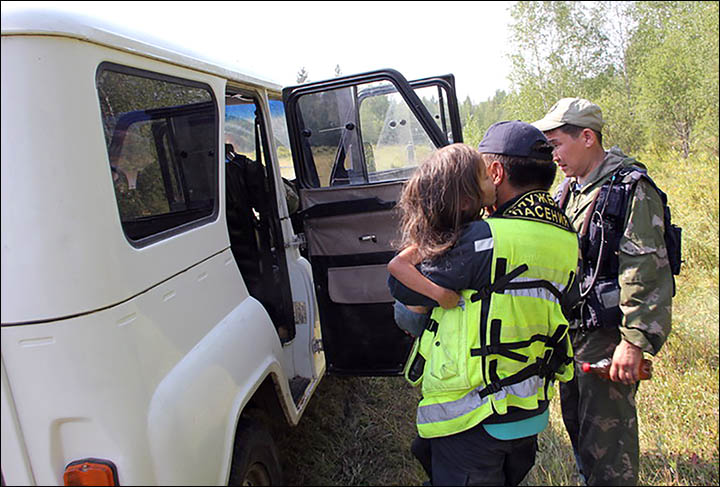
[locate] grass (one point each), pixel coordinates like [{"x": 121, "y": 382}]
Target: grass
[{"x": 357, "y": 431}]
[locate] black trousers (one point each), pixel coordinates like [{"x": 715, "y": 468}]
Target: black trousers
[{"x": 474, "y": 457}]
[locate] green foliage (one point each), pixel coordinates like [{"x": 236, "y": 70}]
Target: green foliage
[
  {"x": 623, "y": 125},
  {"x": 477, "y": 119},
  {"x": 558, "y": 51},
  {"x": 692, "y": 188},
  {"x": 151, "y": 191},
  {"x": 120, "y": 93},
  {"x": 372, "y": 116},
  {"x": 677, "y": 78},
  {"x": 651, "y": 66}
]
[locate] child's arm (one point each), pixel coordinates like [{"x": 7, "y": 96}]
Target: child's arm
[{"x": 402, "y": 267}]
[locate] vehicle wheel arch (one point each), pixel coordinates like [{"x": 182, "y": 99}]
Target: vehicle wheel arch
[{"x": 263, "y": 416}]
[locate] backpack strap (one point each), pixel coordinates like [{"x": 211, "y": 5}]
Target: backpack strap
[{"x": 561, "y": 194}]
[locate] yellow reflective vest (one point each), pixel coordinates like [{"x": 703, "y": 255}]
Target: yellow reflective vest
[{"x": 509, "y": 342}]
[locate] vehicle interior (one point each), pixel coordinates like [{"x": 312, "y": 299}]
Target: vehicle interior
[{"x": 254, "y": 229}]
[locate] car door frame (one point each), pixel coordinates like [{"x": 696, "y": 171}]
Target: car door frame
[{"x": 305, "y": 181}]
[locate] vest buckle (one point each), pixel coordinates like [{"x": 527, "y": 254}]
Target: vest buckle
[
  {"x": 488, "y": 349},
  {"x": 483, "y": 293},
  {"x": 492, "y": 388}
]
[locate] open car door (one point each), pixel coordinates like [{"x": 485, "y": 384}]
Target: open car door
[{"x": 355, "y": 140}]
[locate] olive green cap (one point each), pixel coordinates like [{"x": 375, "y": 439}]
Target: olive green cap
[{"x": 574, "y": 111}]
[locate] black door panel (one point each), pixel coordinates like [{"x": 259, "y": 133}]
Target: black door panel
[{"x": 355, "y": 140}]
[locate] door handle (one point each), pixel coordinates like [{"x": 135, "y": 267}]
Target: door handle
[{"x": 366, "y": 238}]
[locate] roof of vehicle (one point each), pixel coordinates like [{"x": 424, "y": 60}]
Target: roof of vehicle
[{"x": 102, "y": 32}]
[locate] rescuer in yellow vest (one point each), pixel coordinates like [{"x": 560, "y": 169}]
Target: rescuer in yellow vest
[{"x": 487, "y": 365}]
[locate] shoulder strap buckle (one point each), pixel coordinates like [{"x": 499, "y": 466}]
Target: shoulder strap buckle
[
  {"x": 491, "y": 388},
  {"x": 499, "y": 285},
  {"x": 431, "y": 325}
]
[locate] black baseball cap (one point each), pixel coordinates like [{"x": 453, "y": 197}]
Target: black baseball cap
[{"x": 516, "y": 138}]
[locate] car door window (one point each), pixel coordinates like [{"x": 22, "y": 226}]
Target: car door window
[
  {"x": 379, "y": 140},
  {"x": 282, "y": 140},
  {"x": 435, "y": 100}
]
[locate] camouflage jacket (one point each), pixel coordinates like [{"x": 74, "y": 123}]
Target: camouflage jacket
[{"x": 645, "y": 279}]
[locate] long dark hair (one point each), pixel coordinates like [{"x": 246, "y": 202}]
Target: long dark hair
[{"x": 443, "y": 194}]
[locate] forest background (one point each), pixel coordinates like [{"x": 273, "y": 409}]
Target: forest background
[{"x": 653, "y": 68}]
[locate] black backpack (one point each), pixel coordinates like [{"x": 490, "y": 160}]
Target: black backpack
[{"x": 617, "y": 191}]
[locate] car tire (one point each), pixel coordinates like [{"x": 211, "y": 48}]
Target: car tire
[{"x": 255, "y": 458}]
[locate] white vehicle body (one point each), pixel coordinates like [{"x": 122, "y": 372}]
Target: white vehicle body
[{"x": 147, "y": 351}]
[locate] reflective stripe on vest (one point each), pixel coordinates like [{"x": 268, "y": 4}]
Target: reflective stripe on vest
[
  {"x": 484, "y": 244},
  {"x": 433, "y": 413},
  {"x": 536, "y": 292},
  {"x": 454, "y": 377}
]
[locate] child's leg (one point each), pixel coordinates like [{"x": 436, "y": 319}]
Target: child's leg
[{"x": 411, "y": 321}]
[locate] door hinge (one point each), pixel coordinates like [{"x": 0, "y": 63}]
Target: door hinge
[
  {"x": 317, "y": 345},
  {"x": 296, "y": 241}
]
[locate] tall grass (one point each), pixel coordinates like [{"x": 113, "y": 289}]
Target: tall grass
[{"x": 357, "y": 431}]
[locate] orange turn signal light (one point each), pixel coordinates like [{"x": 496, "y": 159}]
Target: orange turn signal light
[{"x": 90, "y": 471}]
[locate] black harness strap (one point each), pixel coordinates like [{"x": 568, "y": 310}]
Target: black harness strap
[
  {"x": 495, "y": 347},
  {"x": 496, "y": 383},
  {"x": 556, "y": 357},
  {"x": 498, "y": 349},
  {"x": 545, "y": 366},
  {"x": 514, "y": 345},
  {"x": 546, "y": 370},
  {"x": 501, "y": 283}
]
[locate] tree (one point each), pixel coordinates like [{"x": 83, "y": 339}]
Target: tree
[
  {"x": 302, "y": 76},
  {"x": 559, "y": 51},
  {"x": 466, "y": 109},
  {"x": 651, "y": 66},
  {"x": 476, "y": 119},
  {"x": 677, "y": 75},
  {"x": 619, "y": 98}
]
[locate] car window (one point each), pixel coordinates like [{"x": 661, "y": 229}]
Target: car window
[
  {"x": 282, "y": 140},
  {"x": 161, "y": 136},
  {"x": 362, "y": 134}
]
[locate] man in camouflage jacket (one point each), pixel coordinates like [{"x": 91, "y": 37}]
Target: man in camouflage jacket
[{"x": 600, "y": 415}]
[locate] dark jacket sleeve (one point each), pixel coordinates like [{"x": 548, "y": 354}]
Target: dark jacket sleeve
[
  {"x": 407, "y": 296},
  {"x": 466, "y": 265}
]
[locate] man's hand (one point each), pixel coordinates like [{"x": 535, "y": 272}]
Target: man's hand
[
  {"x": 447, "y": 298},
  {"x": 626, "y": 361}
]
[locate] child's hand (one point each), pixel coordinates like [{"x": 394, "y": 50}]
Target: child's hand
[{"x": 448, "y": 299}]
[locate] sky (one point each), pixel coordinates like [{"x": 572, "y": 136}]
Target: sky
[{"x": 276, "y": 39}]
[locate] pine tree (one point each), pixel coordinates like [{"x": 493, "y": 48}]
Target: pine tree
[{"x": 302, "y": 76}]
